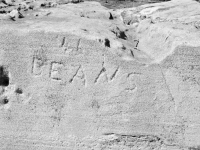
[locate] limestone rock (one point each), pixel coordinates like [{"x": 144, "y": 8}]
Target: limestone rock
[
  {"x": 2, "y": 5},
  {"x": 68, "y": 1},
  {"x": 15, "y": 14},
  {"x": 168, "y": 22},
  {"x": 81, "y": 76}
]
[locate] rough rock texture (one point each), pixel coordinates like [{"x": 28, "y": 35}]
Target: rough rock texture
[{"x": 80, "y": 76}]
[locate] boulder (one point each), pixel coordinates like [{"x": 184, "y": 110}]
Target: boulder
[{"x": 15, "y": 14}]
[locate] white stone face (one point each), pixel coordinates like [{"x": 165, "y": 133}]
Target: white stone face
[
  {"x": 79, "y": 80},
  {"x": 86, "y": 96}
]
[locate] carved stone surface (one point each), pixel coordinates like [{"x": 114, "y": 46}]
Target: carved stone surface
[{"x": 64, "y": 90}]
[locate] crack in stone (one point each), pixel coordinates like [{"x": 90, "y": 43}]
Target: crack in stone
[
  {"x": 79, "y": 40},
  {"x": 135, "y": 140},
  {"x": 63, "y": 42},
  {"x": 167, "y": 87}
]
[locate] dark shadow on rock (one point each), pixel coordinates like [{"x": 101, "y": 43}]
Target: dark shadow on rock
[{"x": 4, "y": 79}]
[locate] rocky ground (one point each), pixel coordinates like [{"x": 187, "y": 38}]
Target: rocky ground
[
  {"x": 78, "y": 75},
  {"x": 19, "y": 7},
  {"x": 117, "y": 4}
]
